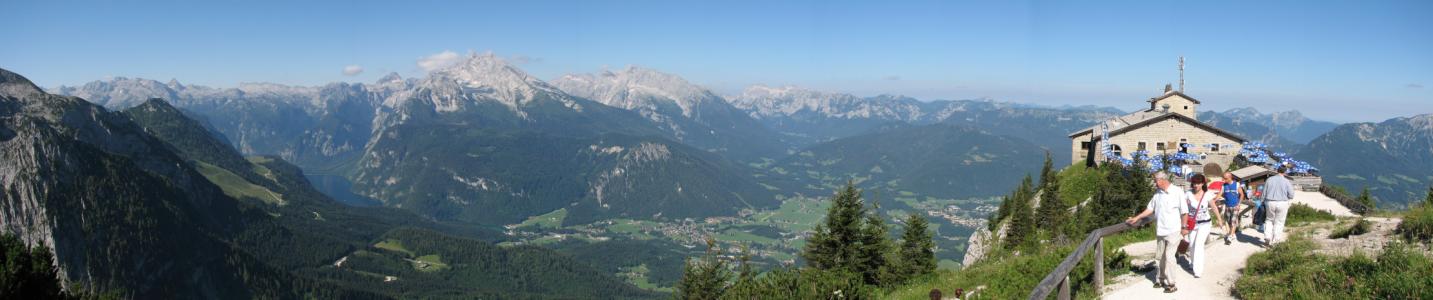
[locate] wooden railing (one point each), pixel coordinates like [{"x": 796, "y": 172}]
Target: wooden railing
[{"x": 1060, "y": 277}]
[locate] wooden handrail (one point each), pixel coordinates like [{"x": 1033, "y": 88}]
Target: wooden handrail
[{"x": 1060, "y": 277}]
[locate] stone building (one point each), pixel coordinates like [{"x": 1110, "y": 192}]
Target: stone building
[{"x": 1167, "y": 126}]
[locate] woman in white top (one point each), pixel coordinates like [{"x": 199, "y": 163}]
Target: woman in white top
[{"x": 1198, "y": 200}]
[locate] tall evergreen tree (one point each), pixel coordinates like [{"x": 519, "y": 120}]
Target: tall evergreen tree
[
  {"x": 1366, "y": 199},
  {"x": 1123, "y": 192},
  {"x": 1053, "y": 211},
  {"x": 917, "y": 251},
  {"x": 833, "y": 244},
  {"x": 1002, "y": 212},
  {"x": 704, "y": 279},
  {"x": 874, "y": 249},
  {"x": 1022, "y": 223},
  {"x": 27, "y": 272}
]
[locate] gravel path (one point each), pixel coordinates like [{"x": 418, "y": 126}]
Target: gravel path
[{"x": 1223, "y": 263}]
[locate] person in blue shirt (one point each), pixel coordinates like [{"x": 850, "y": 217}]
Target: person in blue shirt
[{"x": 1230, "y": 196}]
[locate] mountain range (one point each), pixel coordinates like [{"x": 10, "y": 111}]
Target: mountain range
[
  {"x": 481, "y": 147},
  {"x": 1393, "y": 159},
  {"x": 396, "y": 139},
  {"x": 146, "y": 203}
]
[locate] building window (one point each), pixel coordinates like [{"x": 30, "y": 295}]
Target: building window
[
  {"x": 1159, "y": 146},
  {"x": 1186, "y": 107},
  {"x": 1215, "y": 148},
  {"x": 1141, "y": 146},
  {"x": 1116, "y": 150},
  {"x": 1084, "y": 145}
]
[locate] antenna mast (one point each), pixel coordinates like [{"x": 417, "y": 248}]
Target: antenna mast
[{"x": 1181, "y": 74}]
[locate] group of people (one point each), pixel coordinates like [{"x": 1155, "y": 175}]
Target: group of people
[{"x": 1186, "y": 217}]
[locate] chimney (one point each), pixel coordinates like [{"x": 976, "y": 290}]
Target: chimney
[{"x": 1168, "y": 88}]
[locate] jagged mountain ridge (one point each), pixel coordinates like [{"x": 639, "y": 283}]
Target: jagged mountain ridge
[
  {"x": 121, "y": 210},
  {"x": 450, "y": 148},
  {"x": 311, "y": 231},
  {"x": 1393, "y": 158},
  {"x": 814, "y": 116},
  {"x": 319, "y": 128},
  {"x": 688, "y": 112},
  {"x": 1290, "y": 124}
]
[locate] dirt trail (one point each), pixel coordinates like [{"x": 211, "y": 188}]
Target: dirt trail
[{"x": 1223, "y": 263}]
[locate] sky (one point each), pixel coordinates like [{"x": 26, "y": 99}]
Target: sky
[{"x": 1342, "y": 61}]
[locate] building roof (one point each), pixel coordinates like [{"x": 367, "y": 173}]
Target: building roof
[
  {"x": 1124, "y": 121},
  {"x": 1251, "y": 172},
  {"x": 1138, "y": 119},
  {"x": 1172, "y": 93}
]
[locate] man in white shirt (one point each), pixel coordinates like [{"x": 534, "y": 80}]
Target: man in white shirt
[{"x": 1169, "y": 229}]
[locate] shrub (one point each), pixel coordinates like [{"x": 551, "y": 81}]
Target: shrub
[
  {"x": 1300, "y": 214},
  {"x": 1291, "y": 270},
  {"x": 1358, "y": 228},
  {"x": 1078, "y": 182},
  {"x": 1417, "y": 225}
]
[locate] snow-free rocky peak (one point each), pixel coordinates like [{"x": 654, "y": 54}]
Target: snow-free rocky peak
[
  {"x": 14, "y": 85},
  {"x": 637, "y": 88}
]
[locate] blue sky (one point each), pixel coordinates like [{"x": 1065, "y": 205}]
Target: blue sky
[{"x": 1340, "y": 61}]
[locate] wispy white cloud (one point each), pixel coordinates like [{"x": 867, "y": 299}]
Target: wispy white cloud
[
  {"x": 352, "y": 70},
  {"x": 439, "y": 61}
]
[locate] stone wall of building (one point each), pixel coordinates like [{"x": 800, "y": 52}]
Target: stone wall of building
[
  {"x": 1169, "y": 131},
  {"x": 1178, "y": 104}
]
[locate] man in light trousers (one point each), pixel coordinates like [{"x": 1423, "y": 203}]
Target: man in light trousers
[
  {"x": 1278, "y": 191},
  {"x": 1169, "y": 229}
]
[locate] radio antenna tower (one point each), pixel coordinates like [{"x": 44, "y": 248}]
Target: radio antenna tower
[{"x": 1181, "y": 74}]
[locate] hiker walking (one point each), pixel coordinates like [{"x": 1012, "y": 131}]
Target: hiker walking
[
  {"x": 1168, "y": 210},
  {"x": 1278, "y": 191},
  {"x": 1232, "y": 194},
  {"x": 1198, "y": 200}
]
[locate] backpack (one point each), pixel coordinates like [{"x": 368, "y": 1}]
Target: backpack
[{"x": 1260, "y": 214}]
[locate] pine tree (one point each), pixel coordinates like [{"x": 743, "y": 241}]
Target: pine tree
[
  {"x": 27, "y": 272},
  {"x": 1053, "y": 211},
  {"x": 1366, "y": 199},
  {"x": 833, "y": 243},
  {"x": 917, "y": 251},
  {"x": 1022, "y": 223},
  {"x": 874, "y": 249},
  {"x": 1003, "y": 211},
  {"x": 704, "y": 279}
]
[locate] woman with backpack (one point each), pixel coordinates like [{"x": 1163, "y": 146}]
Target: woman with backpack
[{"x": 1197, "y": 225}]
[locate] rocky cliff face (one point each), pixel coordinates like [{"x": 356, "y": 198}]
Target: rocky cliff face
[{"x": 119, "y": 208}]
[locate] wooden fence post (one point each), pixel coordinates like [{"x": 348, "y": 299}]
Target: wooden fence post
[
  {"x": 1100, "y": 266},
  {"x": 1064, "y": 289}
]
